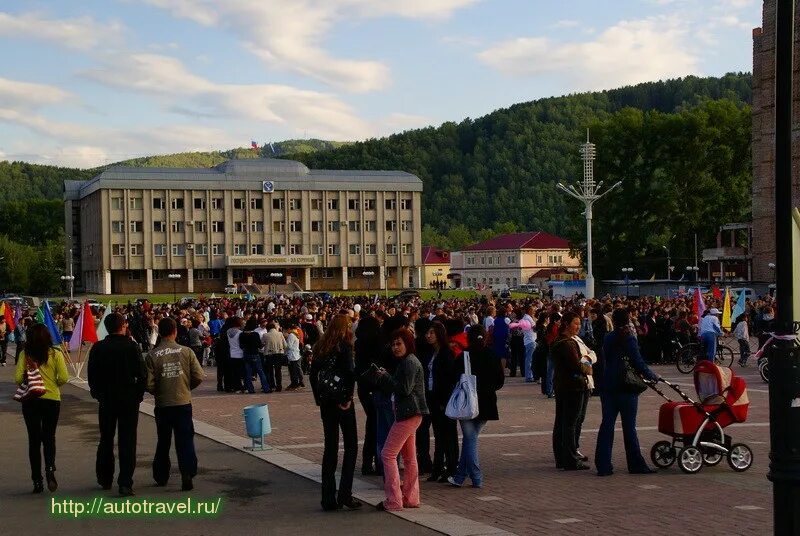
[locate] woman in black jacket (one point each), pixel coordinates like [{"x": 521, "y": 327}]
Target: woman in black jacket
[
  {"x": 367, "y": 351},
  {"x": 440, "y": 380},
  {"x": 333, "y": 365},
  {"x": 489, "y": 376}
]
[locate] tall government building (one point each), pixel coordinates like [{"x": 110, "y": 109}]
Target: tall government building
[
  {"x": 256, "y": 221},
  {"x": 764, "y": 139}
]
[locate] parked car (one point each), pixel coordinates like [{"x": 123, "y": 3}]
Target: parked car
[
  {"x": 230, "y": 289},
  {"x": 324, "y": 296},
  {"x": 304, "y": 295},
  {"x": 406, "y": 295}
]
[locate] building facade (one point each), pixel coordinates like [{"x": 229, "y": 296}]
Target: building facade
[
  {"x": 254, "y": 221},
  {"x": 763, "y": 146},
  {"x": 512, "y": 259},
  {"x": 435, "y": 266}
]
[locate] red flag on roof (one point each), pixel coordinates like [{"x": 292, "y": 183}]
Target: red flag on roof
[{"x": 254, "y": 145}]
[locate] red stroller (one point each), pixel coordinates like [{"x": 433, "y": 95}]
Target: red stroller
[{"x": 696, "y": 427}]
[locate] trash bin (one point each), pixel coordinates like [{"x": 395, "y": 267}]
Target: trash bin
[{"x": 257, "y": 424}]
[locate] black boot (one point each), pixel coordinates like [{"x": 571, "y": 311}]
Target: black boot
[
  {"x": 50, "y": 475},
  {"x": 38, "y": 487},
  {"x": 186, "y": 483}
]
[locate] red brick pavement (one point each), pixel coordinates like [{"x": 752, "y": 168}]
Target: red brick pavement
[{"x": 527, "y": 495}]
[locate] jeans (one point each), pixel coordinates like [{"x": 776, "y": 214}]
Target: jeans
[
  {"x": 709, "y": 342},
  {"x": 175, "y": 420},
  {"x": 401, "y": 440},
  {"x": 570, "y": 412},
  {"x": 295, "y": 373},
  {"x": 384, "y": 418},
  {"x": 273, "y": 371},
  {"x": 41, "y": 419},
  {"x": 468, "y": 464},
  {"x": 626, "y": 405},
  {"x": 744, "y": 351},
  {"x": 529, "y": 348},
  {"x": 368, "y": 452},
  {"x": 253, "y": 363},
  {"x": 334, "y": 418},
  {"x": 234, "y": 374},
  {"x": 113, "y": 416},
  {"x": 445, "y": 433},
  {"x": 548, "y": 379}
]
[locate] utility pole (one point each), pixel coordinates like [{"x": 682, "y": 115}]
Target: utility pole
[
  {"x": 784, "y": 354},
  {"x": 587, "y": 192}
]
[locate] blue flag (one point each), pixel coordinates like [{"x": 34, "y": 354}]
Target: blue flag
[
  {"x": 739, "y": 307},
  {"x": 45, "y": 316}
]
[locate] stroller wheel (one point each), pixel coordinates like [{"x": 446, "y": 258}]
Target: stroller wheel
[
  {"x": 662, "y": 454},
  {"x": 690, "y": 460},
  {"x": 740, "y": 457},
  {"x": 712, "y": 458}
]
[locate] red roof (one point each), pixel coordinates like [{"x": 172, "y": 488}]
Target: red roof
[
  {"x": 529, "y": 240},
  {"x": 434, "y": 255}
]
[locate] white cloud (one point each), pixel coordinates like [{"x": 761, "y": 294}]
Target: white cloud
[
  {"x": 81, "y": 33},
  {"x": 626, "y": 53},
  {"x": 29, "y": 95},
  {"x": 288, "y": 34}
]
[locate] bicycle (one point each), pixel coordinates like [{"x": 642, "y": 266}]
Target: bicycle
[{"x": 688, "y": 355}]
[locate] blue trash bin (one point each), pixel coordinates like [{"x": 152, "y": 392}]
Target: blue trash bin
[{"x": 257, "y": 423}]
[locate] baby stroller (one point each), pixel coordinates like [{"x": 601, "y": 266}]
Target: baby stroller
[{"x": 696, "y": 427}]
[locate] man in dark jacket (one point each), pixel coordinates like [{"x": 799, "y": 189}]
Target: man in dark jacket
[{"x": 117, "y": 380}]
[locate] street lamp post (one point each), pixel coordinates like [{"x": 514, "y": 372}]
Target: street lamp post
[
  {"x": 587, "y": 192},
  {"x": 174, "y": 277},
  {"x": 368, "y": 274},
  {"x": 694, "y": 270},
  {"x": 669, "y": 263},
  {"x": 70, "y": 281},
  {"x": 627, "y": 272},
  {"x": 273, "y": 277}
]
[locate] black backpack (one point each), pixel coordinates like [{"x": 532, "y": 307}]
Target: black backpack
[{"x": 332, "y": 387}]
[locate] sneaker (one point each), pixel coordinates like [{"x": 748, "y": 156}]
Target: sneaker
[{"x": 453, "y": 482}]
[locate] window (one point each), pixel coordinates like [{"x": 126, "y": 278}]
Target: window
[
  {"x": 277, "y": 203},
  {"x": 295, "y": 204},
  {"x": 405, "y": 204},
  {"x": 239, "y": 227},
  {"x": 257, "y": 226},
  {"x": 177, "y": 203},
  {"x": 296, "y": 226},
  {"x": 240, "y": 249},
  {"x": 135, "y": 275},
  {"x": 218, "y": 226},
  {"x": 333, "y": 204},
  {"x": 118, "y": 226},
  {"x": 538, "y": 259},
  {"x": 178, "y": 250},
  {"x": 159, "y": 226},
  {"x": 218, "y": 249},
  {"x": 316, "y": 249},
  {"x": 136, "y": 250},
  {"x": 333, "y": 249},
  {"x": 511, "y": 259},
  {"x": 483, "y": 260},
  {"x": 370, "y": 249},
  {"x": 352, "y": 204},
  {"x": 135, "y": 203},
  {"x": 159, "y": 250},
  {"x": 354, "y": 226},
  {"x": 325, "y": 273},
  {"x": 201, "y": 249},
  {"x": 216, "y": 203},
  {"x": 177, "y": 227},
  {"x": 278, "y": 249},
  {"x": 200, "y": 226},
  {"x": 407, "y": 249},
  {"x": 277, "y": 226},
  {"x": 406, "y": 225},
  {"x": 136, "y": 226},
  {"x": 355, "y": 249},
  {"x": 158, "y": 203},
  {"x": 369, "y": 204},
  {"x": 116, "y": 203},
  {"x": 391, "y": 225},
  {"x": 390, "y": 204},
  {"x": 238, "y": 203},
  {"x": 333, "y": 226},
  {"x": 199, "y": 203},
  {"x": 391, "y": 249},
  {"x": 257, "y": 203},
  {"x": 491, "y": 260},
  {"x": 118, "y": 250},
  {"x": 316, "y": 226},
  {"x": 370, "y": 225},
  {"x": 257, "y": 249},
  {"x": 295, "y": 249},
  {"x": 316, "y": 204},
  {"x": 158, "y": 275}
]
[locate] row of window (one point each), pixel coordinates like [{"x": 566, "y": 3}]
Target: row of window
[
  {"x": 179, "y": 250},
  {"x": 295, "y": 226},
  {"x": 474, "y": 281},
  {"x": 158, "y": 275},
  {"x": 492, "y": 259},
  {"x": 239, "y": 203}
]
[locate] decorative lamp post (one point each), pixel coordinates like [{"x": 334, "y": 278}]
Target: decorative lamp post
[
  {"x": 627, "y": 272},
  {"x": 174, "y": 277},
  {"x": 274, "y": 276},
  {"x": 587, "y": 192},
  {"x": 368, "y": 274},
  {"x": 693, "y": 270},
  {"x": 70, "y": 279}
]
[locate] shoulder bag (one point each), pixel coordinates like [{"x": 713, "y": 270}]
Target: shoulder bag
[
  {"x": 32, "y": 384},
  {"x": 629, "y": 380},
  {"x": 463, "y": 403}
]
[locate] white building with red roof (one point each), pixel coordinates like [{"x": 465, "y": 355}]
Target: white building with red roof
[
  {"x": 514, "y": 259},
  {"x": 435, "y": 265}
]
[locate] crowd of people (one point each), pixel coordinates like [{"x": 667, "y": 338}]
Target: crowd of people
[{"x": 400, "y": 360}]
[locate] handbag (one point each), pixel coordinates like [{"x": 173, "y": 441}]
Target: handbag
[
  {"x": 32, "y": 384},
  {"x": 463, "y": 403},
  {"x": 629, "y": 379}
]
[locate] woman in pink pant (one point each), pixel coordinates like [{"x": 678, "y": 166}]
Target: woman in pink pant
[{"x": 408, "y": 386}]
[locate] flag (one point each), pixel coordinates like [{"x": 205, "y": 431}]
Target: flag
[
  {"x": 254, "y": 145},
  {"x": 45, "y": 316},
  {"x": 716, "y": 292},
  {"x": 654, "y": 277},
  {"x": 102, "y": 332},
  {"x": 795, "y": 263},
  {"x": 738, "y": 309},
  {"x": 10, "y": 324},
  {"x": 17, "y": 314},
  {"x": 698, "y": 305},
  {"x": 726, "y": 309}
]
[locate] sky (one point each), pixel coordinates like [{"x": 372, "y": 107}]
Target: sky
[{"x": 94, "y": 82}]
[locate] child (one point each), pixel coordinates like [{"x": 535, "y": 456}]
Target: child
[{"x": 742, "y": 334}]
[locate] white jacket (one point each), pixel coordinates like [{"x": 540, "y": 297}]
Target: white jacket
[{"x": 292, "y": 347}]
